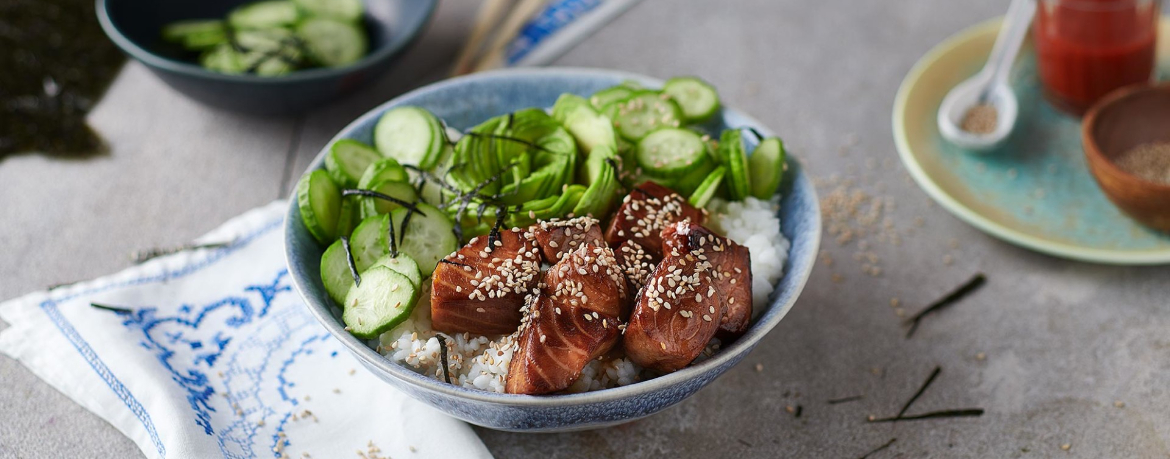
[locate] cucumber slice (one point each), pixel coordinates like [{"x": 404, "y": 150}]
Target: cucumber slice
[
  {"x": 320, "y": 205},
  {"x": 767, "y": 167},
  {"x": 349, "y": 216},
  {"x": 196, "y": 35},
  {"x": 643, "y": 113},
  {"x": 382, "y": 170},
  {"x": 708, "y": 188},
  {"x": 672, "y": 153},
  {"x": 223, "y": 58},
  {"x": 335, "y": 273},
  {"x": 341, "y": 10},
  {"x": 370, "y": 241},
  {"x": 263, "y": 15},
  {"x": 587, "y": 126},
  {"x": 333, "y": 43},
  {"x": 372, "y": 206},
  {"x": 733, "y": 156},
  {"x": 427, "y": 238},
  {"x": 410, "y": 135},
  {"x": 384, "y": 299},
  {"x": 268, "y": 51},
  {"x": 697, "y": 99},
  {"x": 402, "y": 264},
  {"x": 610, "y": 95},
  {"x": 348, "y": 159}
]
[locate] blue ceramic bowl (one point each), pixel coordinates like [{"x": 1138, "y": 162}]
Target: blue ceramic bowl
[
  {"x": 136, "y": 25},
  {"x": 466, "y": 101}
]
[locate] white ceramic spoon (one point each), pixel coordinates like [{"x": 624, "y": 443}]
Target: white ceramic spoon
[{"x": 989, "y": 86}]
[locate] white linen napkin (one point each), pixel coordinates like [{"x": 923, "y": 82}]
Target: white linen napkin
[{"x": 217, "y": 356}]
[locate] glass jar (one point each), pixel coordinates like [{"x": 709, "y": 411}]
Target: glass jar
[{"x": 1087, "y": 48}]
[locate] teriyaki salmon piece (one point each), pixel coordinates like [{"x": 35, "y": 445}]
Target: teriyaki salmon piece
[
  {"x": 732, "y": 276},
  {"x": 481, "y": 288},
  {"x": 696, "y": 290},
  {"x": 575, "y": 318},
  {"x": 558, "y": 238},
  {"x": 636, "y": 264},
  {"x": 644, "y": 213}
]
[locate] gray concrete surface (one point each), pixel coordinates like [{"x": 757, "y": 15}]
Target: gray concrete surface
[{"x": 1049, "y": 347}]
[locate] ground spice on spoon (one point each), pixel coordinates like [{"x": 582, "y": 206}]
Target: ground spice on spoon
[
  {"x": 1150, "y": 161},
  {"x": 980, "y": 119}
]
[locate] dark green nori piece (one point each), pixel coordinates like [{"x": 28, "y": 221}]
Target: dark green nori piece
[
  {"x": 55, "y": 65},
  {"x": 357, "y": 279},
  {"x": 966, "y": 289},
  {"x": 929, "y": 380},
  {"x": 879, "y": 449},
  {"x": 375, "y": 194},
  {"x": 962, "y": 413},
  {"x": 116, "y": 309},
  {"x": 443, "y": 358}
]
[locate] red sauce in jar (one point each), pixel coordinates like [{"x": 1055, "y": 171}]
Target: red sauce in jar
[{"x": 1087, "y": 48}]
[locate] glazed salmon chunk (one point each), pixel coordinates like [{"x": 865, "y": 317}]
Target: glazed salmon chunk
[
  {"x": 558, "y": 238},
  {"x": 575, "y": 318},
  {"x": 699, "y": 289},
  {"x": 644, "y": 213},
  {"x": 481, "y": 288}
]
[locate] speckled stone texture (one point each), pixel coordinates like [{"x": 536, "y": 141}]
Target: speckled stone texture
[{"x": 1062, "y": 341}]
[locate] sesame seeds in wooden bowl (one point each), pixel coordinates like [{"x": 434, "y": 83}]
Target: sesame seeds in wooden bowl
[{"x": 1125, "y": 137}]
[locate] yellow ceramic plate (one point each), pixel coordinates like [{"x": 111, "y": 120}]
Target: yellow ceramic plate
[{"x": 1035, "y": 191}]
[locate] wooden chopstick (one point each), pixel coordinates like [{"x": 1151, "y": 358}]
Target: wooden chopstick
[
  {"x": 494, "y": 57},
  {"x": 489, "y": 14}
]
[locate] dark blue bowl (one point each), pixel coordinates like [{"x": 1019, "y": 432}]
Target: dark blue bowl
[
  {"x": 136, "y": 25},
  {"x": 463, "y": 103}
]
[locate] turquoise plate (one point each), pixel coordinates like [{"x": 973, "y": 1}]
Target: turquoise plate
[{"x": 1036, "y": 190}]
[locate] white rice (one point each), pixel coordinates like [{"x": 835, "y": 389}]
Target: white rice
[
  {"x": 754, "y": 223},
  {"x": 482, "y": 362}
]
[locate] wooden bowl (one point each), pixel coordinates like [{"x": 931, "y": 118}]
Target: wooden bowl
[{"x": 1124, "y": 119}]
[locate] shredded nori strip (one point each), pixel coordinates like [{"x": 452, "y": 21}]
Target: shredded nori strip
[
  {"x": 357, "y": 279},
  {"x": 147, "y": 254},
  {"x": 851, "y": 398},
  {"x": 479, "y": 212},
  {"x": 443, "y": 358},
  {"x": 966, "y": 289},
  {"x": 456, "y": 263},
  {"x": 375, "y": 194},
  {"x": 799, "y": 409},
  {"x": 116, "y": 309},
  {"x": 879, "y": 449},
  {"x": 929, "y": 380},
  {"x": 390, "y": 239},
  {"x": 56, "y": 64},
  {"x": 961, "y": 413},
  {"x": 494, "y": 234}
]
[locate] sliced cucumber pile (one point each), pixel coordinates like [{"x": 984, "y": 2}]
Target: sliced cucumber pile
[
  {"x": 275, "y": 37},
  {"x": 697, "y": 99},
  {"x": 767, "y": 167},
  {"x": 421, "y": 189},
  {"x": 348, "y": 159},
  {"x": 411, "y": 136},
  {"x": 383, "y": 300},
  {"x": 320, "y": 205},
  {"x": 428, "y": 236}
]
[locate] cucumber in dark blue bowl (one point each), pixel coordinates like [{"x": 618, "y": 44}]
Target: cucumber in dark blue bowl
[{"x": 178, "y": 39}]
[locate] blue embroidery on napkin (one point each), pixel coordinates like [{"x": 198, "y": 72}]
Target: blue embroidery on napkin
[
  {"x": 175, "y": 330},
  {"x": 53, "y": 312}
]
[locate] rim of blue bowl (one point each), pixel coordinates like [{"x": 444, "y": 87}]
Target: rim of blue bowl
[
  {"x": 132, "y": 48},
  {"x": 764, "y": 324}
]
